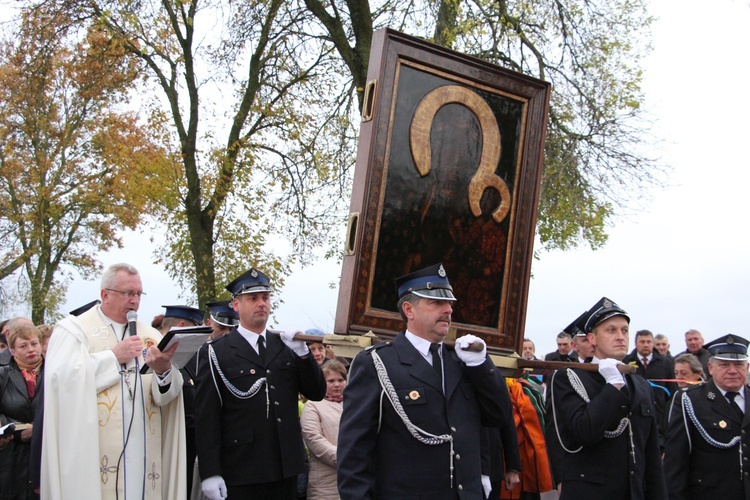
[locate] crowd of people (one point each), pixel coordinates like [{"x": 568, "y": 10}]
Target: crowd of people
[{"x": 92, "y": 408}]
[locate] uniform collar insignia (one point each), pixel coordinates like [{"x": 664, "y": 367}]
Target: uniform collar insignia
[{"x": 711, "y": 395}]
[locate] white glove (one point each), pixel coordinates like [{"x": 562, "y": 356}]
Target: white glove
[
  {"x": 608, "y": 369},
  {"x": 214, "y": 488},
  {"x": 486, "y": 486},
  {"x": 298, "y": 346},
  {"x": 471, "y": 358}
]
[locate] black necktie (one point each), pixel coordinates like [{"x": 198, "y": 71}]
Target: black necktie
[
  {"x": 730, "y": 396},
  {"x": 437, "y": 363},
  {"x": 261, "y": 347}
]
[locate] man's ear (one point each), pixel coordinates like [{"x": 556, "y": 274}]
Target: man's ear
[
  {"x": 408, "y": 309},
  {"x": 592, "y": 338}
]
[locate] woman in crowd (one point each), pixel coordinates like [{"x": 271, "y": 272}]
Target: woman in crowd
[
  {"x": 18, "y": 390},
  {"x": 688, "y": 371},
  {"x": 318, "y": 349},
  {"x": 320, "y": 430},
  {"x": 688, "y": 368}
]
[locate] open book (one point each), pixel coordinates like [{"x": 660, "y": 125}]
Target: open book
[
  {"x": 190, "y": 339},
  {"x": 13, "y": 428}
]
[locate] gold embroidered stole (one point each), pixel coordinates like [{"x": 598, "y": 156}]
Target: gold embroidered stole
[{"x": 112, "y": 428}]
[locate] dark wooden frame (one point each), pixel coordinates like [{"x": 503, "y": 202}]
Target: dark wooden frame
[{"x": 399, "y": 64}]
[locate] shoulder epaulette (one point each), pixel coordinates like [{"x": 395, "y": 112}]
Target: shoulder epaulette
[
  {"x": 377, "y": 346},
  {"x": 211, "y": 341},
  {"x": 691, "y": 388}
]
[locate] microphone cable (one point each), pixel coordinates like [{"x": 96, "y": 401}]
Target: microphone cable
[{"x": 130, "y": 426}]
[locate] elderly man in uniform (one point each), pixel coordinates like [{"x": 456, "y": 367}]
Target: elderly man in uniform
[
  {"x": 604, "y": 421},
  {"x": 413, "y": 410},
  {"x": 706, "y": 454},
  {"x": 250, "y": 443}
]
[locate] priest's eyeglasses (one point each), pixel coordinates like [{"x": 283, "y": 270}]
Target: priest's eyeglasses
[{"x": 129, "y": 294}]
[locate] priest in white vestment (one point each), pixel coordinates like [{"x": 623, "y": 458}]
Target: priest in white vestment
[{"x": 109, "y": 432}]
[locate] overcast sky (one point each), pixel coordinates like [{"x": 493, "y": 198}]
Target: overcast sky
[{"x": 680, "y": 264}]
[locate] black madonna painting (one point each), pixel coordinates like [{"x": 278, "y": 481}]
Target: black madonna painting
[{"x": 448, "y": 171}]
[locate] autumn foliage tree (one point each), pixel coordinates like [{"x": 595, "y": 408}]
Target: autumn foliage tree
[
  {"x": 233, "y": 91},
  {"x": 70, "y": 161}
]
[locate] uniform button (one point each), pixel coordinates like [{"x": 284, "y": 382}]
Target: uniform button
[
  {"x": 242, "y": 371},
  {"x": 273, "y": 387},
  {"x": 700, "y": 480},
  {"x": 268, "y": 372},
  {"x": 583, "y": 475},
  {"x": 453, "y": 429},
  {"x": 278, "y": 420},
  {"x": 276, "y": 403},
  {"x": 458, "y": 457},
  {"x": 460, "y": 487},
  {"x": 745, "y": 474},
  {"x": 632, "y": 472}
]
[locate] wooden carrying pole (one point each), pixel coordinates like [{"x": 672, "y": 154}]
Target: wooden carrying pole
[{"x": 349, "y": 345}]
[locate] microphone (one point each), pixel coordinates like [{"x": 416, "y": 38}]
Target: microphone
[{"x": 132, "y": 318}]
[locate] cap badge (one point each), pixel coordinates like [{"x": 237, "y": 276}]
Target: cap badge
[
  {"x": 607, "y": 304},
  {"x": 414, "y": 395},
  {"x": 711, "y": 396},
  {"x": 252, "y": 371},
  {"x": 722, "y": 424},
  {"x": 730, "y": 340},
  {"x": 441, "y": 271},
  {"x": 254, "y": 273}
]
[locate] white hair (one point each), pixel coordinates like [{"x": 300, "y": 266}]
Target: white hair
[{"x": 108, "y": 278}]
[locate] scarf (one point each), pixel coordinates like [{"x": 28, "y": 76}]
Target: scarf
[
  {"x": 29, "y": 373},
  {"x": 337, "y": 399}
]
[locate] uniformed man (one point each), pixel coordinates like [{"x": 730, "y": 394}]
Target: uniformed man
[
  {"x": 413, "y": 410},
  {"x": 583, "y": 348},
  {"x": 179, "y": 317},
  {"x": 604, "y": 421},
  {"x": 249, "y": 441},
  {"x": 706, "y": 453},
  {"x": 221, "y": 317}
]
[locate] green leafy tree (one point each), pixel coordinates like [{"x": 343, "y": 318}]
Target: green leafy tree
[
  {"x": 594, "y": 166},
  {"x": 69, "y": 161}
]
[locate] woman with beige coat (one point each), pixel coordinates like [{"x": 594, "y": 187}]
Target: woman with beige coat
[{"x": 320, "y": 430}]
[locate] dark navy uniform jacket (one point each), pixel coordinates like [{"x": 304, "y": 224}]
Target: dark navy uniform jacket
[
  {"x": 594, "y": 466},
  {"x": 379, "y": 458},
  {"x": 701, "y": 470},
  {"x": 250, "y": 441}
]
